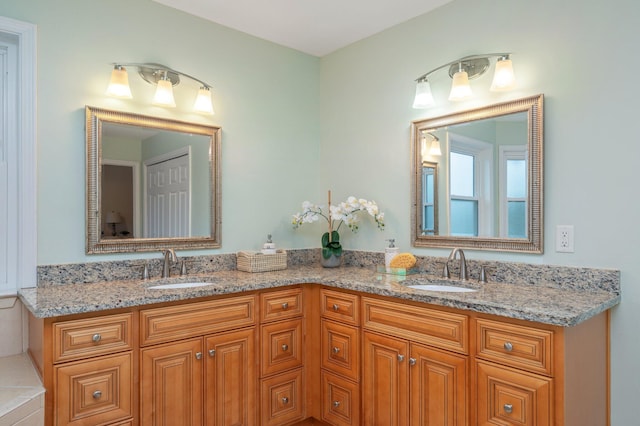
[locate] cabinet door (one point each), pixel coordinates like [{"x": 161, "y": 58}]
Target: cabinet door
[
  {"x": 95, "y": 391},
  {"x": 281, "y": 346},
  {"x": 438, "y": 387},
  {"x": 510, "y": 397},
  {"x": 385, "y": 380},
  {"x": 171, "y": 391},
  {"x": 231, "y": 383}
]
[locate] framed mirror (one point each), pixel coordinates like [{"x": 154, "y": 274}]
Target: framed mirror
[
  {"x": 152, "y": 183},
  {"x": 477, "y": 178}
]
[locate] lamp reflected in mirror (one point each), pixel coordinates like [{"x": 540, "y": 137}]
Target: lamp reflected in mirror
[{"x": 112, "y": 219}]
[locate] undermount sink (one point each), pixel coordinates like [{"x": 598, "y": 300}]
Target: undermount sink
[
  {"x": 442, "y": 288},
  {"x": 179, "y": 285}
]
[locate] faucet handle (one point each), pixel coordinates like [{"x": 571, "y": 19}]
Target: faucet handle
[
  {"x": 483, "y": 275},
  {"x": 145, "y": 272},
  {"x": 183, "y": 267},
  {"x": 445, "y": 271}
]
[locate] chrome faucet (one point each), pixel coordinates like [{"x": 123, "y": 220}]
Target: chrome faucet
[
  {"x": 169, "y": 256},
  {"x": 463, "y": 264}
]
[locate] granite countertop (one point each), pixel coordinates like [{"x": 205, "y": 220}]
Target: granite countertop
[{"x": 539, "y": 303}]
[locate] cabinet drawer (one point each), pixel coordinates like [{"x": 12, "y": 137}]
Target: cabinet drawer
[
  {"x": 282, "y": 398},
  {"x": 340, "y": 352},
  {"x": 510, "y": 397},
  {"x": 341, "y": 307},
  {"x": 91, "y": 337},
  {"x": 441, "y": 329},
  {"x": 340, "y": 401},
  {"x": 522, "y": 347},
  {"x": 281, "y": 346},
  {"x": 95, "y": 391},
  {"x": 281, "y": 304},
  {"x": 196, "y": 319}
]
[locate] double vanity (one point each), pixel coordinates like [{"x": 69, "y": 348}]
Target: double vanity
[{"x": 345, "y": 346}]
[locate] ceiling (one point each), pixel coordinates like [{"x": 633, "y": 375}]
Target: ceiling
[{"x": 316, "y": 28}]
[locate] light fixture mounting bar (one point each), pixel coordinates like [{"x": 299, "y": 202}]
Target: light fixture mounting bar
[
  {"x": 474, "y": 65},
  {"x": 152, "y": 73}
]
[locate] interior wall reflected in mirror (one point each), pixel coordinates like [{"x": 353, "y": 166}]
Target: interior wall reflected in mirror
[
  {"x": 156, "y": 180},
  {"x": 482, "y": 187},
  {"x": 151, "y": 183}
]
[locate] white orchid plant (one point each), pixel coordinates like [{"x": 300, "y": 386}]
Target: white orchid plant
[{"x": 347, "y": 212}]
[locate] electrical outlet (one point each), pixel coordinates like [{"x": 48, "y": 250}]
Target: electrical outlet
[{"x": 564, "y": 238}]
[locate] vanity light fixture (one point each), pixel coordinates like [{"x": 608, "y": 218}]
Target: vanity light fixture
[
  {"x": 434, "y": 149},
  {"x": 461, "y": 71},
  {"x": 164, "y": 78}
]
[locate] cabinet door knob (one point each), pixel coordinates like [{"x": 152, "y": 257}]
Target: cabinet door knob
[
  {"x": 508, "y": 346},
  {"x": 285, "y": 305},
  {"x": 97, "y": 394},
  {"x": 400, "y": 358},
  {"x": 336, "y": 307},
  {"x": 508, "y": 408},
  {"x": 212, "y": 352},
  {"x": 412, "y": 361},
  {"x": 198, "y": 355},
  {"x": 336, "y": 404},
  {"x": 285, "y": 347},
  {"x": 96, "y": 337},
  {"x": 285, "y": 400},
  {"x": 336, "y": 350}
]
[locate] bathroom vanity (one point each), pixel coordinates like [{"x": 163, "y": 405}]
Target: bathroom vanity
[{"x": 344, "y": 347}]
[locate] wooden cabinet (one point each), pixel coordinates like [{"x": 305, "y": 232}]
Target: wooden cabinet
[
  {"x": 276, "y": 357},
  {"x": 231, "y": 378},
  {"x": 406, "y": 382},
  {"x": 171, "y": 390},
  {"x": 208, "y": 378},
  {"x": 95, "y": 391},
  {"x": 510, "y": 397},
  {"x": 282, "y": 389},
  {"x": 92, "y": 375},
  {"x": 340, "y": 357}
]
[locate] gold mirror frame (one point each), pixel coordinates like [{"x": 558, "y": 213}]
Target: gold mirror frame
[
  {"x": 533, "y": 106},
  {"x": 95, "y": 117}
]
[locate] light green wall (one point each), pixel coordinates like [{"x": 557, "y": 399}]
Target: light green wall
[
  {"x": 577, "y": 54},
  {"x": 294, "y": 125},
  {"x": 265, "y": 96}
]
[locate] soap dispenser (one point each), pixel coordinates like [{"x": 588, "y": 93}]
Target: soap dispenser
[
  {"x": 389, "y": 253},
  {"x": 269, "y": 247}
]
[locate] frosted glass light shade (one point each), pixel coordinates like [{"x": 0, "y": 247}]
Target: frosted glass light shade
[
  {"x": 424, "y": 98},
  {"x": 164, "y": 94},
  {"x": 119, "y": 83},
  {"x": 460, "y": 88},
  {"x": 435, "y": 148},
  {"x": 203, "y": 102},
  {"x": 503, "y": 77}
]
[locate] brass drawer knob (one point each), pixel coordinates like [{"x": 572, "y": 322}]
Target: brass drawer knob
[
  {"x": 97, "y": 394},
  {"x": 96, "y": 337},
  {"x": 508, "y": 408},
  {"x": 508, "y": 346}
]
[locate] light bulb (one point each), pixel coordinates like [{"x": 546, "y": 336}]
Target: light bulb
[
  {"x": 203, "y": 102},
  {"x": 164, "y": 94},
  {"x": 119, "y": 83},
  {"x": 503, "y": 77},
  {"x": 423, "y": 98}
]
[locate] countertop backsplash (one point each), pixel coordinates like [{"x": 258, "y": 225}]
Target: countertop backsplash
[{"x": 567, "y": 277}]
